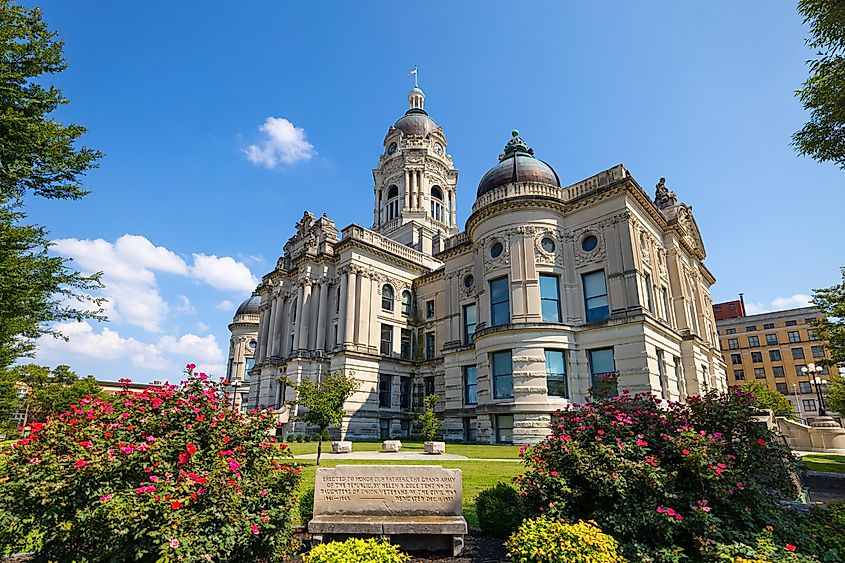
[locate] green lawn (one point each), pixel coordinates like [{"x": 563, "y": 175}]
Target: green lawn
[
  {"x": 829, "y": 463},
  {"x": 475, "y": 451},
  {"x": 476, "y": 476}
]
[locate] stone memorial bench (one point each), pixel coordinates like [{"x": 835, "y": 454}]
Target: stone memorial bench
[{"x": 418, "y": 507}]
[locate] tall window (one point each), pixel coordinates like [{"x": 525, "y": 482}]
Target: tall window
[
  {"x": 550, "y": 298},
  {"x": 429, "y": 345},
  {"x": 386, "y": 297},
  {"x": 556, "y": 374},
  {"x": 649, "y": 298},
  {"x": 500, "y": 307},
  {"x": 470, "y": 386},
  {"x": 502, "y": 375},
  {"x": 429, "y": 308},
  {"x": 428, "y": 382},
  {"x": 438, "y": 209},
  {"x": 504, "y": 428},
  {"x": 405, "y": 344},
  {"x": 386, "y": 340},
  {"x": 664, "y": 293},
  {"x": 661, "y": 370},
  {"x": 469, "y": 323},
  {"x": 392, "y": 208},
  {"x": 595, "y": 296},
  {"x": 384, "y": 428},
  {"x": 602, "y": 364},
  {"x": 470, "y": 434},
  {"x": 407, "y": 303},
  {"x": 384, "y": 391},
  {"x": 405, "y": 392}
]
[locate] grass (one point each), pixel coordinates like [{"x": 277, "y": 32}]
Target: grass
[
  {"x": 474, "y": 451},
  {"x": 829, "y": 463},
  {"x": 476, "y": 476}
]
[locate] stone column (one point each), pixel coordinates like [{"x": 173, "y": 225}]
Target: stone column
[
  {"x": 300, "y": 305},
  {"x": 316, "y": 296},
  {"x": 307, "y": 313},
  {"x": 262, "y": 337},
  {"x": 283, "y": 345},
  {"x": 279, "y": 338},
  {"x": 341, "y": 310},
  {"x": 420, "y": 189},
  {"x": 349, "y": 313},
  {"x": 452, "y": 212},
  {"x": 373, "y": 325},
  {"x": 363, "y": 310},
  {"x": 408, "y": 189},
  {"x": 325, "y": 288}
]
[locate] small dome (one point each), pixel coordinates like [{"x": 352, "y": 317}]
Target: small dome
[
  {"x": 416, "y": 122},
  {"x": 249, "y": 307},
  {"x": 517, "y": 164}
]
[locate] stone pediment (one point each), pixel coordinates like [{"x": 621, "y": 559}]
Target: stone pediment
[
  {"x": 681, "y": 218},
  {"x": 311, "y": 234}
]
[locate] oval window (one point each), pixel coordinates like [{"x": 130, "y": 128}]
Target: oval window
[
  {"x": 548, "y": 244},
  {"x": 589, "y": 243},
  {"x": 469, "y": 281},
  {"x": 496, "y": 250}
]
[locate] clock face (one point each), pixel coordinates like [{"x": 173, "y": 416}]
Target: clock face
[
  {"x": 438, "y": 148},
  {"x": 392, "y": 148}
]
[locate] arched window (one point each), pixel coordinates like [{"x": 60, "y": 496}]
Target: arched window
[
  {"x": 387, "y": 297},
  {"x": 391, "y": 210},
  {"x": 407, "y": 303},
  {"x": 438, "y": 208}
]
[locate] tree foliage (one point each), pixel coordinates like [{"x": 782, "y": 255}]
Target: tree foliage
[
  {"x": 52, "y": 392},
  {"x": 429, "y": 423},
  {"x": 38, "y": 156},
  {"x": 765, "y": 398},
  {"x": 323, "y": 401},
  {"x": 823, "y": 94},
  {"x": 830, "y": 326}
]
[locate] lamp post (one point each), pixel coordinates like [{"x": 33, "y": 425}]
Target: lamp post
[
  {"x": 235, "y": 385},
  {"x": 797, "y": 402},
  {"x": 813, "y": 371}
]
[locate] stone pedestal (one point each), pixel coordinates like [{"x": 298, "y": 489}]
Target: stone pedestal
[
  {"x": 391, "y": 446},
  {"x": 342, "y": 447},
  {"x": 826, "y": 434},
  {"x": 435, "y": 448}
]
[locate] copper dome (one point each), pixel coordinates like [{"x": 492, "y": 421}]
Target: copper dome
[
  {"x": 517, "y": 164},
  {"x": 416, "y": 122},
  {"x": 249, "y": 307}
]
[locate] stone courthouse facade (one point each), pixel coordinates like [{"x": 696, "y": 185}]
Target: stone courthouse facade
[{"x": 546, "y": 290}]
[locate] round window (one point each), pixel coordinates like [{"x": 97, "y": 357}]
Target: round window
[
  {"x": 253, "y": 344},
  {"x": 548, "y": 244},
  {"x": 496, "y": 250},
  {"x": 469, "y": 280},
  {"x": 589, "y": 243}
]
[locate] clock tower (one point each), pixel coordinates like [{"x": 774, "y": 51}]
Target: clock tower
[{"x": 415, "y": 181}]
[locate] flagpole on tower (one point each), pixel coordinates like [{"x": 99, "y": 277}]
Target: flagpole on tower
[{"x": 416, "y": 77}]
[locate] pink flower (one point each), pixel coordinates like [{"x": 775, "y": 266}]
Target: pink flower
[
  {"x": 553, "y": 473},
  {"x": 106, "y": 498},
  {"x": 234, "y": 465},
  {"x": 254, "y": 529},
  {"x": 263, "y": 492},
  {"x": 174, "y": 543},
  {"x": 81, "y": 463},
  {"x": 154, "y": 478}
]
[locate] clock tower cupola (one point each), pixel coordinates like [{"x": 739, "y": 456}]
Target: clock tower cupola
[{"x": 415, "y": 181}]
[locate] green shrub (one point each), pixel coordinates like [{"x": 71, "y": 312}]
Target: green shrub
[
  {"x": 307, "y": 437},
  {"x": 499, "y": 510},
  {"x": 327, "y": 435},
  {"x": 543, "y": 540},
  {"x": 299, "y": 438},
  {"x": 819, "y": 531},
  {"x": 356, "y": 551},
  {"x": 764, "y": 550},
  {"x": 146, "y": 476},
  {"x": 306, "y": 506},
  {"x": 659, "y": 478}
]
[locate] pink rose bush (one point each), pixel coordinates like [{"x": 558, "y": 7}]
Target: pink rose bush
[
  {"x": 661, "y": 476},
  {"x": 170, "y": 474}
]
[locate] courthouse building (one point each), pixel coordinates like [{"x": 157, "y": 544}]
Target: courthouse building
[{"x": 546, "y": 289}]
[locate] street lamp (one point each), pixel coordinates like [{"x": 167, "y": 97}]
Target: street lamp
[
  {"x": 235, "y": 385},
  {"x": 813, "y": 371},
  {"x": 797, "y": 402}
]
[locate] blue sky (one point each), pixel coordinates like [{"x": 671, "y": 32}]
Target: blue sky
[{"x": 183, "y": 221}]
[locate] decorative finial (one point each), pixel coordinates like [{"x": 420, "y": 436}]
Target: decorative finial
[
  {"x": 514, "y": 133},
  {"x": 516, "y": 146}
]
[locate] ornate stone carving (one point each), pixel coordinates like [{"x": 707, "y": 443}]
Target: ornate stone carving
[{"x": 664, "y": 198}]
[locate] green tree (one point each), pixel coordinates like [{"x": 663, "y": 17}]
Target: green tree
[
  {"x": 834, "y": 399},
  {"x": 323, "y": 401},
  {"x": 38, "y": 156},
  {"x": 823, "y": 94},
  {"x": 52, "y": 392},
  {"x": 830, "y": 326},
  {"x": 765, "y": 398},
  {"x": 429, "y": 423},
  {"x": 9, "y": 401}
]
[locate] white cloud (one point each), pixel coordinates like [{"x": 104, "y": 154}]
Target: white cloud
[
  {"x": 284, "y": 142},
  {"x": 195, "y": 348},
  {"x": 223, "y": 273},
  {"x": 201, "y": 326},
  {"x": 778, "y": 304},
  {"x": 184, "y": 306},
  {"x": 225, "y": 305}
]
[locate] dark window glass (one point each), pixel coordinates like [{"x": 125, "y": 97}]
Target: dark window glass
[
  {"x": 756, "y": 357},
  {"x": 470, "y": 434},
  {"x": 771, "y": 339},
  {"x": 429, "y": 308},
  {"x": 798, "y": 368},
  {"x": 794, "y": 336},
  {"x": 384, "y": 391},
  {"x": 405, "y": 343},
  {"x": 595, "y": 296},
  {"x": 502, "y": 375},
  {"x": 733, "y": 343},
  {"x": 470, "y": 386},
  {"x": 774, "y": 355},
  {"x": 386, "y": 297},
  {"x": 386, "y": 340},
  {"x": 818, "y": 351},
  {"x": 601, "y": 364},
  {"x": 648, "y": 293},
  {"x": 469, "y": 281},
  {"x": 753, "y": 341},
  {"x": 750, "y": 328},
  {"x": 730, "y": 331},
  {"x": 429, "y": 345},
  {"x": 781, "y": 388},
  {"x": 797, "y": 353},
  {"x": 778, "y": 372},
  {"x": 556, "y": 373},
  {"x": 384, "y": 429},
  {"x": 500, "y": 308},
  {"x": 429, "y": 386},
  {"x": 496, "y": 250},
  {"x": 736, "y": 359},
  {"x": 504, "y": 428},
  {"x": 760, "y": 373},
  {"x": 665, "y": 294},
  {"x": 405, "y": 426},
  {"x": 405, "y": 392},
  {"x": 739, "y": 375},
  {"x": 804, "y": 387},
  {"x": 589, "y": 243},
  {"x": 809, "y": 404},
  {"x": 469, "y": 323},
  {"x": 407, "y": 304},
  {"x": 768, "y": 326},
  {"x": 790, "y": 323},
  {"x": 550, "y": 298}
]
